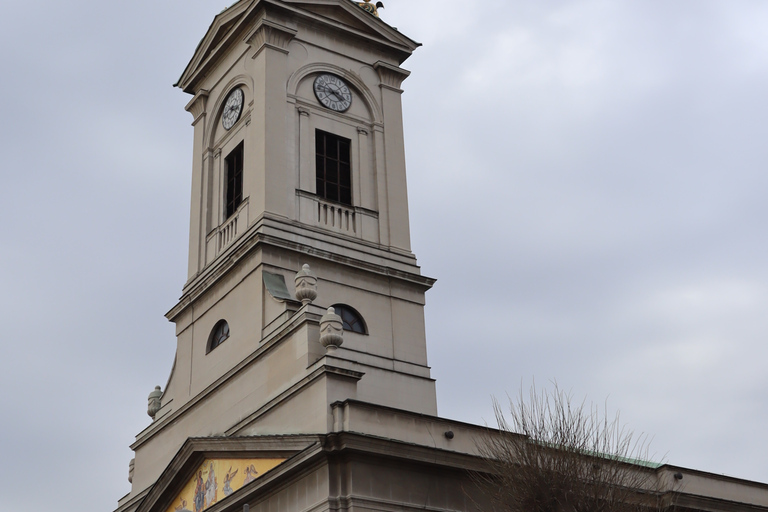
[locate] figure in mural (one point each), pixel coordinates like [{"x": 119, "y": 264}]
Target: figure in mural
[
  {"x": 210, "y": 488},
  {"x": 250, "y": 474},
  {"x": 227, "y": 481},
  {"x": 182, "y": 507},
  {"x": 199, "y": 492}
]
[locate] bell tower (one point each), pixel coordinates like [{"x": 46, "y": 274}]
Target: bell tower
[{"x": 299, "y": 205}]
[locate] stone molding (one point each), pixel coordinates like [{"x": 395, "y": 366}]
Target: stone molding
[
  {"x": 306, "y": 314},
  {"x": 390, "y": 260},
  {"x": 271, "y": 35},
  {"x": 293, "y": 390},
  {"x": 391, "y": 77},
  {"x": 299, "y": 449},
  {"x": 196, "y": 105},
  {"x": 368, "y": 98}
]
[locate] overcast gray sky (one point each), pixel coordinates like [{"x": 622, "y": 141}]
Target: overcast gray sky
[{"x": 587, "y": 183}]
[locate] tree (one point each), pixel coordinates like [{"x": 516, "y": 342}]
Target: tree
[{"x": 554, "y": 456}]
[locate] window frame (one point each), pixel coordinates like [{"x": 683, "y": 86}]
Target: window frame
[
  {"x": 333, "y": 167},
  {"x": 215, "y": 338},
  {"x": 340, "y": 309},
  {"x": 233, "y": 180}
]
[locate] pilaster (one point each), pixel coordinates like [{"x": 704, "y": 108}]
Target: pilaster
[
  {"x": 305, "y": 161},
  {"x": 197, "y": 107},
  {"x": 391, "y": 77}
]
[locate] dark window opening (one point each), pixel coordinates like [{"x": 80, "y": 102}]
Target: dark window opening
[
  {"x": 219, "y": 334},
  {"x": 233, "y": 194},
  {"x": 333, "y": 170},
  {"x": 350, "y": 318}
]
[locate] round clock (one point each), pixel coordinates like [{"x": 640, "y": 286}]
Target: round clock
[
  {"x": 333, "y": 92},
  {"x": 232, "y": 108}
]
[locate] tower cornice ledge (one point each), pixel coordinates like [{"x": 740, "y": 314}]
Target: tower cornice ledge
[{"x": 277, "y": 232}]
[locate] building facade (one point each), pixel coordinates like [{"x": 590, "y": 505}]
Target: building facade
[{"x": 301, "y": 380}]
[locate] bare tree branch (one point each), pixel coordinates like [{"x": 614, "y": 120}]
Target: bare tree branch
[{"x": 554, "y": 456}]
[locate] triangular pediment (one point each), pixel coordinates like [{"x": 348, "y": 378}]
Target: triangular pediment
[
  {"x": 349, "y": 14},
  {"x": 222, "y": 28},
  {"x": 342, "y": 15},
  {"x": 333, "y": 13},
  {"x": 207, "y": 471}
]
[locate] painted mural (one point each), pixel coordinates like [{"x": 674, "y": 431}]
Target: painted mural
[{"x": 216, "y": 479}]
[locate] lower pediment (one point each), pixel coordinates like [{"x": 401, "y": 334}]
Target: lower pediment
[
  {"x": 207, "y": 472},
  {"x": 217, "y": 479}
]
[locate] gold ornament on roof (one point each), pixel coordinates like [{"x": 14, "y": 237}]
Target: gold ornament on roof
[{"x": 371, "y": 8}]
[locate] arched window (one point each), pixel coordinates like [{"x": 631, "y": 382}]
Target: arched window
[
  {"x": 219, "y": 334},
  {"x": 350, "y": 318}
]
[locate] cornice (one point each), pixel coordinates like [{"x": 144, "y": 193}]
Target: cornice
[
  {"x": 377, "y": 33},
  {"x": 302, "y": 452},
  {"x": 206, "y": 53},
  {"x": 299, "y": 451},
  {"x": 255, "y": 237},
  {"x": 308, "y": 313},
  {"x": 196, "y": 105},
  {"x": 269, "y": 34},
  {"x": 419, "y": 415},
  {"x": 390, "y": 76},
  {"x": 313, "y": 376},
  {"x": 391, "y": 448},
  {"x": 695, "y": 502},
  {"x": 134, "y": 502}
]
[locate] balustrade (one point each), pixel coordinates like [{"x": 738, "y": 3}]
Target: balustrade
[{"x": 336, "y": 216}]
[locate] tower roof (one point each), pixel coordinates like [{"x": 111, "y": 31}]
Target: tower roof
[{"x": 238, "y": 20}]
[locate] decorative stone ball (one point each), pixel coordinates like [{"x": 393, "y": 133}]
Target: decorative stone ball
[
  {"x": 331, "y": 330},
  {"x": 153, "y": 405},
  {"x": 306, "y": 285}
]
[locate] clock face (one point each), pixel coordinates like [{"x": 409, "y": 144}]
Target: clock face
[
  {"x": 232, "y": 108},
  {"x": 333, "y": 92}
]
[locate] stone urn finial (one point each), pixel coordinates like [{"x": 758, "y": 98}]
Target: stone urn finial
[
  {"x": 130, "y": 470},
  {"x": 306, "y": 285},
  {"x": 331, "y": 330},
  {"x": 154, "y": 402}
]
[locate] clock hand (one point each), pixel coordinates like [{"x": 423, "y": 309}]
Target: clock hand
[{"x": 338, "y": 96}]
